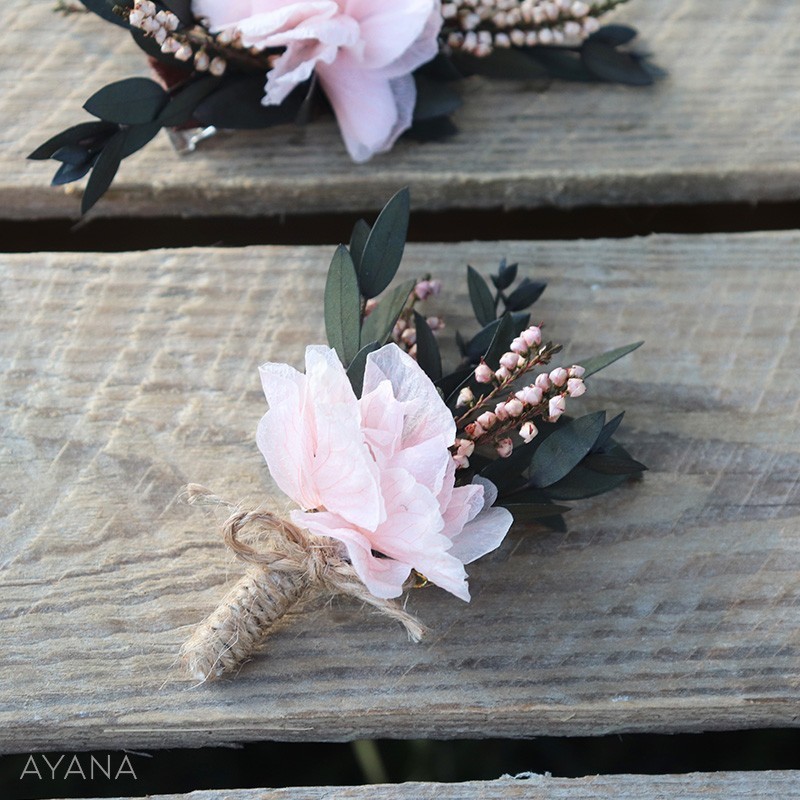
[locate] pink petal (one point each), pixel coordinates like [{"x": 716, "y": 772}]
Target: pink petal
[
  {"x": 382, "y": 421},
  {"x": 485, "y": 532},
  {"x": 390, "y": 29},
  {"x": 427, "y": 417},
  {"x": 383, "y": 577},
  {"x": 365, "y": 106}
]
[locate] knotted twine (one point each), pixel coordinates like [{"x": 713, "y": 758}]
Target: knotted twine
[{"x": 289, "y": 565}]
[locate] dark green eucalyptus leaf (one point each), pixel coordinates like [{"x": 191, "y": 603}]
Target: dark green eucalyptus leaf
[
  {"x": 383, "y": 250},
  {"x": 355, "y": 372},
  {"x": 440, "y": 68},
  {"x": 237, "y": 104},
  {"x": 137, "y": 136},
  {"x": 105, "y": 10},
  {"x": 358, "y": 240},
  {"x": 379, "y": 324},
  {"x": 564, "y": 449},
  {"x": 436, "y": 129},
  {"x": 612, "y": 465},
  {"x": 181, "y": 105},
  {"x": 428, "y": 356},
  {"x": 582, "y": 482},
  {"x": 504, "y": 334},
  {"x": 613, "y": 65},
  {"x": 506, "y": 275},
  {"x": 434, "y": 99},
  {"x": 87, "y": 134},
  {"x": 557, "y": 524},
  {"x": 526, "y": 294},
  {"x": 104, "y": 170},
  {"x": 67, "y": 173},
  {"x": 480, "y": 296},
  {"x": 73, "y": 154},
  {"x": 182, "y": 9},
  {"x": 596, "y": 363},
  {"x": 132, "y": 101},
  {"x": 482, "y": 340},
  {"x": 561, "y": 63},
  {"x": 614, "y": 35},
  {"x": 343, "y": 306},
  {"x": 533, "y": 512},
  {"x": 609, "y": 429},
  {"x": 447, "y": 384},
  {"x": 503, "y": 64}
]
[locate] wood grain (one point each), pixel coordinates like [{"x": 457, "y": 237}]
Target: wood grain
[
  {"x": 671, "y": 605},
  {"x": 696, "y": 786},
  {"x": 721, "y": 127}
]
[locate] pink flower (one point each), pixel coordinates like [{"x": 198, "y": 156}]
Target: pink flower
[
  {"x": 528, "y": 432},
  {"x": 376, "y": 473},
  {"x": 484, "y": 373},
  {"x": 504, "y": 448},
  {"x": 559, "y": 376},
  {"x": 556, "y": 407},
  {"x": 363, "y": 52},
  {"x": 575, "y": 387}
]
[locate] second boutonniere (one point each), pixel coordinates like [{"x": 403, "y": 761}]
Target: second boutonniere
[
  {"x": 383, "y": 67},
  {"x": 404, "y": 473}
]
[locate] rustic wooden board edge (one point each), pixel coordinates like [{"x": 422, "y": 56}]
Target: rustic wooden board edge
[
  {"x": 369, "y": 192},
  {"x": 724, "y": 785}
]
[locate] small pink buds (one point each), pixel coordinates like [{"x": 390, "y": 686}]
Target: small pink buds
[
  {"x": 514, "y": 407},
  {"x": 500, "y": 411},
  {"x": 502, "y": 374},
  {"x": 528, "y": 432},
  {"x": 465, "y": 447},
  {"x": 559, "y": 376},
  {"x": 424, "y": 289},
  {"x": 504, "y": 447},
  {"x": 435, "y": 323},
  {"x": 475, "y": 430},
  {"x": 576, "y": 372},
  {"x": 510, "y": 361},
  {"x": 486, "y": 420},
  {"x": 530, "y": 395},
  {"x": 542, "y": 381},
  {"x": 575, "y": 387},
  {"x": 556, "y": 407},
  {"x": 519, "y": 346},
  {"x": 532, "y": 336},
  {"x": 484, "y": 373},
  {"x": 465, "y": 398}
]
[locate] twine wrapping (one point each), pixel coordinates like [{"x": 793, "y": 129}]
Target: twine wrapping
[{"x": 288, "y": 566}]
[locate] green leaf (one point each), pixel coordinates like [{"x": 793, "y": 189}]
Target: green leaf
[
  {"x": 501, "y": 341},
  {"x": 526, "y": 294},
  {"x": 182, "y": 104},
  {"x": 379, "y": 324},
  {"x": 358, "y": 241},
  {"x": 104, "y": 170},
  {"x": 132, "y": 101},
  {"x": 480, "y": 296},
  {"x": 434, "y": 99},
  {"x": 609, "y": 429},
  {"x": 342, "y": 306},
  {"x": 596, "y": 363},
  {"x": 506, "y": 275},
  {"x": 383, "y": 250},
  {"x": 564, "y": 449},
  {"x": 614, "y": 65},
  {"x": 355, "y": 372},
  {"x": 482, "y": 340},
  {"x": 428, "y": 356},
  {"x": 137, "y": 136},
  {"x": 105, "y": 10},
  {"x": 614, "y": 34},
  {"x": 237, "y": 104},
  {"x": 533, "y": 512},
  {"x": 67, "y": 173},
  {"x": 502, "y": 64},
  {"x": 582, "y": 482},
  {"x": 87, "y": 134}
]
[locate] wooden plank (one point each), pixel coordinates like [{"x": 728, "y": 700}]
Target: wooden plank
[
  {"x": 721, "y": 127},
  {"x": 696, "y": 786},
  {"x": 669, "y": 606}
]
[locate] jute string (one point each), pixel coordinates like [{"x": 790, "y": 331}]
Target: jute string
[{"x": 287, "y": 566}]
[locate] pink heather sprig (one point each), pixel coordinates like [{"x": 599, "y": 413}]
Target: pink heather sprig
[
  {"x": 404, "y": 334},
  {"x": 545, "y": 397}
]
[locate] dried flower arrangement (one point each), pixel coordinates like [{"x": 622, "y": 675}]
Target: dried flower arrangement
[
  {"x": 384, "y": 67},
  {"x": 403, "y": 473}
]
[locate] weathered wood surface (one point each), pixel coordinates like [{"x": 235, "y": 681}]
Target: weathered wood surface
[
  {"x": 722, "y": 126},
  {"x": 671, "y": 605},
  {"x": 696, "y": 786}
]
